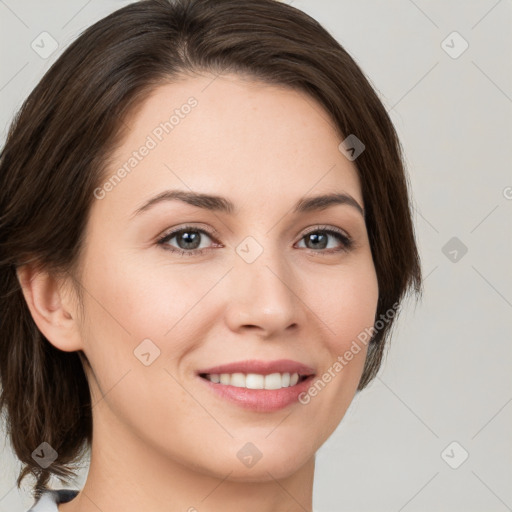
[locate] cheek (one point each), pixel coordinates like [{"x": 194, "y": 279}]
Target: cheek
[
  {"x": 131, "y": 301},
  {"x": 126, "y": 306},
  {"x": 346, "y": 302},
  {"x": 348, "y": 306},
  {"x": 357, "y": 304}
]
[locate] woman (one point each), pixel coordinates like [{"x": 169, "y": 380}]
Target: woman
[{"x": 205, "y": 239}]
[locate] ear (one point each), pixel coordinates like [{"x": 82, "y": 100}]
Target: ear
[{"x": 51, "y": 306}]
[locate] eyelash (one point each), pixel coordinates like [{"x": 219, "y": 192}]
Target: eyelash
[{"x": 346, "y": 241}]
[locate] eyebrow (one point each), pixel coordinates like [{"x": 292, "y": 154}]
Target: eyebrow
[{"x": 224, "y": 205}]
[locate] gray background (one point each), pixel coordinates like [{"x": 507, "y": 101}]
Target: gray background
[{"x": 446, "y": 377}]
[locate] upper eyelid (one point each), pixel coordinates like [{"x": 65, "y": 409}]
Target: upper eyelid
[
  {"x": 173, "y": 232},
  {"x": 323, "y": 227}
]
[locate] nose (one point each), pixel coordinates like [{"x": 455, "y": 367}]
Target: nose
[{"x": 262, "y": 296}]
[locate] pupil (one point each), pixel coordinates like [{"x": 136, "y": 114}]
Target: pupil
[
  {"x": 315, "y": 237},
  {"x": 194, "y": 239}
]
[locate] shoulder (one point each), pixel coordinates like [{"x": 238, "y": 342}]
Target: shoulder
[{"x": 49, "y": 500}]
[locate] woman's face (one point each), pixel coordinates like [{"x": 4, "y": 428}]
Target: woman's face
[{"x": 270, "y": 282}]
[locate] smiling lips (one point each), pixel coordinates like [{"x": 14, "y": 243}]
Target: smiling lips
[{"x": 262, "y": 386}]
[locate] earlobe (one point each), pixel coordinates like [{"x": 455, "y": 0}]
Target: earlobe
[{"x": 50, "y": 307}]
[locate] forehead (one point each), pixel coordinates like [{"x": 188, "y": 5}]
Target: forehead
[{"x": 231, "y": 136}]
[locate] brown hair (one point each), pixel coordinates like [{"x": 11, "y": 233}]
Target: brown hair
[{"x": 57, "y": 150}]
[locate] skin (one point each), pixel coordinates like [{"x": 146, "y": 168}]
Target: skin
[{"x": 162, "y": 441}]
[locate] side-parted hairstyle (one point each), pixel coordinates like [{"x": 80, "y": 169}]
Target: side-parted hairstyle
[{"x": 57, "y": 151}]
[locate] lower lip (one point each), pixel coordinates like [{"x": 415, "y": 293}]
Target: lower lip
[{"x": 260, "y": 400}]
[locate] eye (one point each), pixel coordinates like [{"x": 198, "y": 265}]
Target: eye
[
  {"x": 188, "y": 239},
  {"x": 318, "y": 239}
]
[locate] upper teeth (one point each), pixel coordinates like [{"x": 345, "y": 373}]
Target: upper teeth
[{"x": 255, "y": 380}]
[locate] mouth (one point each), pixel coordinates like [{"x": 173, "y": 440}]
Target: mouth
[
  {"x": 256, "y": 392},
  {"x": 258, "y": 374}
]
